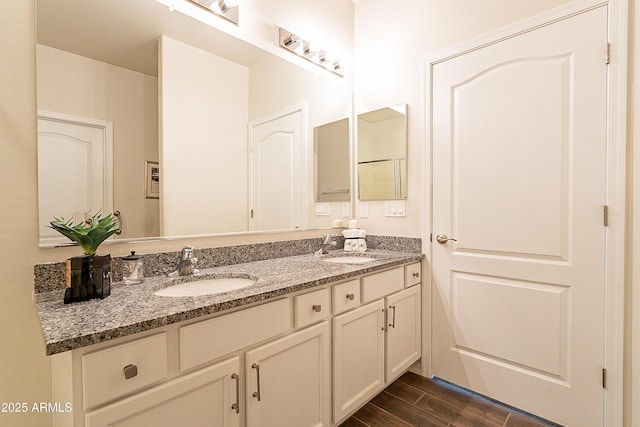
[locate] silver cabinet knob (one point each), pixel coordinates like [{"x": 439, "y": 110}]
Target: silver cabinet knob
[
  {"x": 130, "y": 371},
  {"x": 442, "y": 239}
]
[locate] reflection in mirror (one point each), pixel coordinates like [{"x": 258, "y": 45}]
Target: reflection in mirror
[
  {"x": 331, "y": 159},
  {"x": 382, "y": 154},
  {"x": 75, "y": 169},
  {"x": 196, "y": 131}
]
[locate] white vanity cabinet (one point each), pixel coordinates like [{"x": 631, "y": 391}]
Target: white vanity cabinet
[
  {"x": 375, "y": 343},
  {"x": 307, "y": 359}
]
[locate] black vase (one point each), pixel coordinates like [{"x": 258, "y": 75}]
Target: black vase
[
  {"x": 102, "y": 275},
  {"x": 88, "y": 276}
]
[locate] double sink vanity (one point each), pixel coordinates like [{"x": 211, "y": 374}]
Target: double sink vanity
[{"x": 301, "y": 340}]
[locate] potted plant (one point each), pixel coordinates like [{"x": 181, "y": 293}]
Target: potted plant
[{"x": 89, "y": 275}]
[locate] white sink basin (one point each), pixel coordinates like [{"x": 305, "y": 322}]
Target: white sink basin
[
  {"x": 214, "y": 286},
  {"x": 348, "y": 259}
]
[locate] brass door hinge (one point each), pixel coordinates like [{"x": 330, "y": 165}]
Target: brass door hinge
[
  {"x": 604, "y": 377},
  {"x": 606, "y": 216},
  {"x": 607, "y": 53}
]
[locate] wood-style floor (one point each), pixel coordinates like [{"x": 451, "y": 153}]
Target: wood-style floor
[{"x": 413, "y": 400}]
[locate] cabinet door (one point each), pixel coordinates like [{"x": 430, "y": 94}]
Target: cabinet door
[
  {"x": 288, "y": 380},
  {"x": 203, "y": 398},
  {"x": 403, "y": 331},
  {"x": 358, "y": 357}
]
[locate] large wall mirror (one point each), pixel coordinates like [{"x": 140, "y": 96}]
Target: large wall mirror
[
  {"x": 188, "y": 107},
  {"x": 382, "y": 154}
]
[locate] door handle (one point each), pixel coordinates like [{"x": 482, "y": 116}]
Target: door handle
[{"x": 442, "y": 239}]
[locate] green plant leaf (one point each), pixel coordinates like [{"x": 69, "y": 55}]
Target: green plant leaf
[
  {"x": 88, "y": 234},
  {"x": 103, "y": 237}
]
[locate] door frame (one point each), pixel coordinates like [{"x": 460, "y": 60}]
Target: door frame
[
  {"x": 302, "y": 167},
  {"x": 615, "y": 175}
]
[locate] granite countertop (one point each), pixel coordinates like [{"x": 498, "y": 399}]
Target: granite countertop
[{"x": 134, "y": 308}]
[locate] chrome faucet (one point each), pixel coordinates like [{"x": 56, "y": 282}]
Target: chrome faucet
[
  {"x": 186, "y": 264},
  {"x": 327, "y": 242}
]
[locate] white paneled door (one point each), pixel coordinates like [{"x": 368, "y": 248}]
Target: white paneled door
[
  {"x": 519, "y": 138},
  {"x": 276, "y": 193},
  {"x": 75, "y": 170}
]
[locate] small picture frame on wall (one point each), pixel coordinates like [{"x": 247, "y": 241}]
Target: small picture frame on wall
[{"x": 152, "y": 180}]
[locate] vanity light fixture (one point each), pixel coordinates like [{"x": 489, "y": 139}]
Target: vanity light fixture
[
  {"x": 227, "y": 9},
  {"x": 304, "y": 49}
]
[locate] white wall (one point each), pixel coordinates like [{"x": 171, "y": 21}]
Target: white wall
[
  {"x": 203, "y": 154},
  {"x": 73, "y": 84},
  {"x": 391, "y": 43}
]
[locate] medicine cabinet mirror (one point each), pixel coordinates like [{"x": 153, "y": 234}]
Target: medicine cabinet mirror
[
  {"x": 332, "y": 160},
  {"x": 382, "y": 154}
]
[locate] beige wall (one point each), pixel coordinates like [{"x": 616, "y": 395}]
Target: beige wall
[
  {"x": 80, "y": 86},
  {"x": 24, "y": 370},
  {"x": 632, "y": 306}
]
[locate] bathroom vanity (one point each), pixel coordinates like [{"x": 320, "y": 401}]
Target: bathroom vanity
[{"x": 307, "y": 344}]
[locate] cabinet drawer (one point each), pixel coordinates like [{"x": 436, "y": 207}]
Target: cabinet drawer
[
  {"x": 210, "y": 339},
  {"x": 346, "y": 296},
  {"x": 116, "y": 371},
  {"x": 412, "y": 274},
  {"x": 194, "y": 399},
  {"x": 312, "y": 307},
  {"x": 381, "y": 284}
]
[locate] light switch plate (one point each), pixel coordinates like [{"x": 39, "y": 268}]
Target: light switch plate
[
  {"x": 394, "y": 208},
  {"x": 364, "y": 210},
  {"x": 346, "y": 210},
  {"x": 322, "y": 209}
]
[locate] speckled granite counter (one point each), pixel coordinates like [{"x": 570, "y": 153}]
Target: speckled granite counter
[{"x": 134, "y": 308}]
